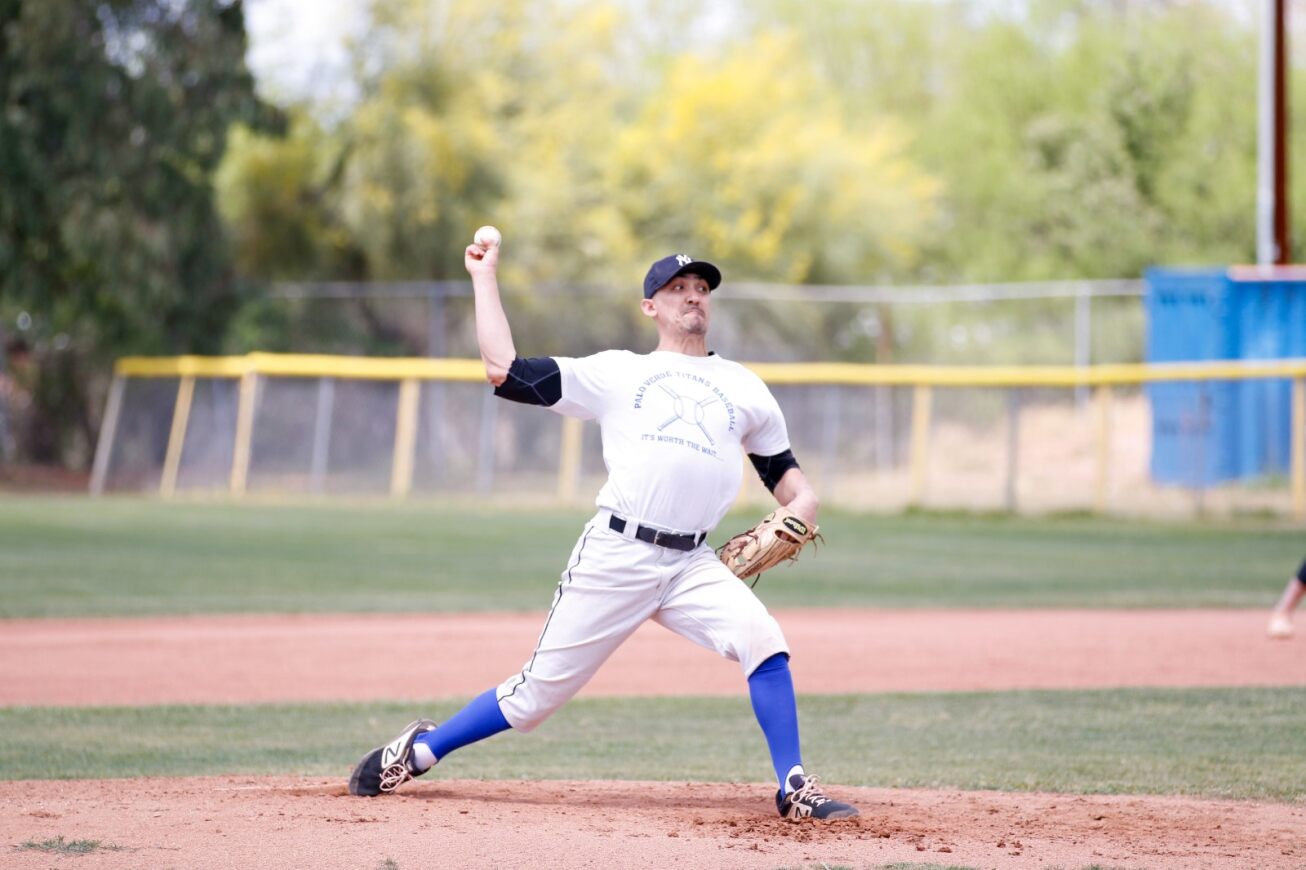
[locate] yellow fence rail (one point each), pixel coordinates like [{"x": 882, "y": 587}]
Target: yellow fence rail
[
  {"x": 846, "y": 374},
  {"x": 302, "y": 365},
  {"x": 923, "y": 379}
]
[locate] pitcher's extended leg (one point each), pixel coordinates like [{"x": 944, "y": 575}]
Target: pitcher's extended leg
[
  {"x": 481, "y": 718},
  {"x": 771, "y": 689}
]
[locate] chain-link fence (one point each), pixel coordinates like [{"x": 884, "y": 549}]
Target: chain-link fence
[{"x": 870, "y": 437}]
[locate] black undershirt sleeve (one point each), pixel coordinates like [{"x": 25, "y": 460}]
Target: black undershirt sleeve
[
  {"x": 772, "y": 468},
  {"x": 535, "y": 381}
]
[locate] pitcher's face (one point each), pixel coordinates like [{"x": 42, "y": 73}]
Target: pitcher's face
[{"x": 682, "y": 306}]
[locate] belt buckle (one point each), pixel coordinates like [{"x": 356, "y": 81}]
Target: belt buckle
[{"x": 658, "y": 536}]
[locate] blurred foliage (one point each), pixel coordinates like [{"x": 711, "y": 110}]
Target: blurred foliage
[
  {"x": 864, "y": 142},
  {"x": 750, "y": 157},
  {"x": 1072, "y": 139},
  {"x": 876, "y": 142},
  {"x": 114, "y": 119}
]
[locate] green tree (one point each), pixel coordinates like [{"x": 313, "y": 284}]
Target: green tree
[
  {"x": 280, "y": 197},
  {"x": 115, "y": 115},
  {"x": 751, "y": 157},
  {"x": 877, "y": 141},
  {"x": 469, "y": 114},
  {"x": 1070, "y": 139}
]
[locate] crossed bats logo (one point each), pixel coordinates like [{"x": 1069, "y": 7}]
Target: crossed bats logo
[{"x": 686, "y": 410}]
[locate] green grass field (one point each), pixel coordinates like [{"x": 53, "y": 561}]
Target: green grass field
[
  {"x": 122, "y": 556},
  {"x": 1228, "y": 743}
]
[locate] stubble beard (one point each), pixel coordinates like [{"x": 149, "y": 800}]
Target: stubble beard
[{"x": 694, "y": 325}]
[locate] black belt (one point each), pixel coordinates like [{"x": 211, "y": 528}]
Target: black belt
[{"x": 669, "y": 540}]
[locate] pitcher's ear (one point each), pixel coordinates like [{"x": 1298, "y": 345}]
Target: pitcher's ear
[{"x": 646, "y": 305}]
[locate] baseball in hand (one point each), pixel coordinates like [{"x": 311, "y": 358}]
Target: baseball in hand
[{"x": 487, "y": 237}]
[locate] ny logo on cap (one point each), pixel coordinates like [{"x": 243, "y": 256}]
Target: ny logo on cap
[{"x": 684, "y": 259}]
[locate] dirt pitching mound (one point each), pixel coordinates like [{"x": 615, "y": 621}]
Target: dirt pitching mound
[{"x": 224, "y": 822}]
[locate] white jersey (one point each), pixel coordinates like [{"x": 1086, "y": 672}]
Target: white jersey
[{"x": 672, "y": 428}]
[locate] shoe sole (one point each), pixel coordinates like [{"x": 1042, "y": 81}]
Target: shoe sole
[{"x": 358, "y": 772}]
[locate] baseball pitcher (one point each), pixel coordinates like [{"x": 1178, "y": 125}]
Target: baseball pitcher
[{"x": 672, "y": 423}]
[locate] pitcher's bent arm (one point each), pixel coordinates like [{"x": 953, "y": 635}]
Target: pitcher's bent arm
[{"x": 493, "y": 335}]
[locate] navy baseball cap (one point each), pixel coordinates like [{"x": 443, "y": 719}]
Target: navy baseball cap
[{"x": 678, "y": 264}]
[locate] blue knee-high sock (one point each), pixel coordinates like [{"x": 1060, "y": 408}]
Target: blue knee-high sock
[
  {"x": 481, "y": 718},
  {"x": 771, "y": 688}
]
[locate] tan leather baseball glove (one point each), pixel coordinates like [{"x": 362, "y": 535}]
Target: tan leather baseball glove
[{"x": 777, "y": 538}]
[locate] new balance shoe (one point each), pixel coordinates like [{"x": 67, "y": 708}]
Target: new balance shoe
[
  {"x": 387, "y": 767},
  {"x": 806, "y": 801}
]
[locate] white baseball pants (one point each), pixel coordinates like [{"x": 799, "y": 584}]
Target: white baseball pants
[{"x": 611, "y": 585}]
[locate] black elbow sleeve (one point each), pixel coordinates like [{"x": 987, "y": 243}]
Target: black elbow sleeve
[
  {"x": 536, "y": 381},
  {"x": 772, "y": 468}
]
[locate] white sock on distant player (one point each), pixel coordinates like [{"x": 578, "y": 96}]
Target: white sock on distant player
[
  {"x": 796, "y": 769},
  {"x": 423, "y": 757}
]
